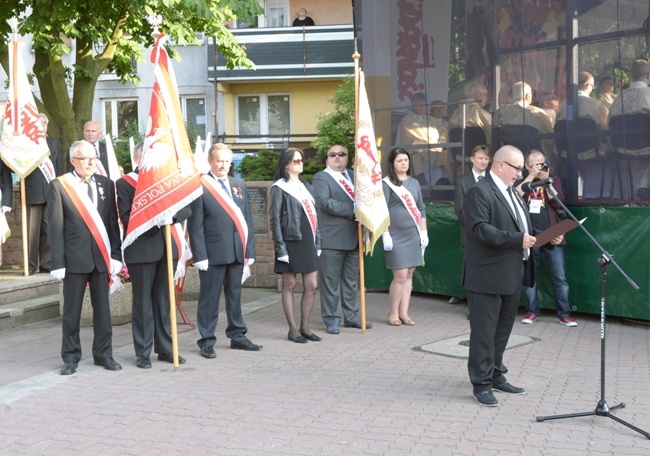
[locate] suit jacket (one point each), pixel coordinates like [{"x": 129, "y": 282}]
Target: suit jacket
[
  {"x": 72, "y": 244},
  {"x": 493, "y": 250},
  {"x": 36, "y": 185},
  {"x": 103, "y": 157},
  {"x": 461, "y": 187},
  {"x": 149, "y": 247},
  {"x": 6, "y": 185},
  {"x": 213, "y": 235},
  {"x": 335, "y": 211}
]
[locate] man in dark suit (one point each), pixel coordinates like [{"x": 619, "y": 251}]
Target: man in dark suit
[
  {"x": 36, "y": 186},
  {"x": 146, "y": 260},
  {"x": 83, "y": 220},
  {"x": 92, "y": 134},
  {"x": 339, "y": 260},
  {"x": 480, "y": 159},
  {"x": 223, "y": 244},
  {"x": 497, "y": 253}
]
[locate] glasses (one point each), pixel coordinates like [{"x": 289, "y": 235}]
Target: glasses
[
  {"x": 298, "y": 161},
  {"x": 337, "y": 154},
  {"x": 86, "y": 159},
  {"x": 516, "y": 168}
]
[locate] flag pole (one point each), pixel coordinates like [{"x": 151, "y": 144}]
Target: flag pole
[
  {"x": 172, "y": 295},
  {"x": 362, "y": 282},
  {"x": 23, "y": 219}
]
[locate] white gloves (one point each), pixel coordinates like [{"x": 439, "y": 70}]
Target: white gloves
[
  {"x": 6, "y": 209},
  {"x": 250, "y": 261},
  {"x": 424, "y": 239},
  {"x": 388, "y": 241},
  {"x": 167, "y": 221},
  {"x": 58, "y": 274},
  {"x": 201, "y": 265},
  {"x": 284, "y": 259},
  {"x": 116, "y": 267},
  {"x": 318, "y": 252}
]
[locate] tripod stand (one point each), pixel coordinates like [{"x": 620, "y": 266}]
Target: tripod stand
[{"x": 602, "y": 409}]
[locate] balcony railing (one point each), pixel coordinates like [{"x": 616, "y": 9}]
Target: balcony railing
[{"x": 319, "y": 52}]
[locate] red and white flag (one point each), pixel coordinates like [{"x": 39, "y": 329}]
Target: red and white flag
[
  {"x": 168, "y": 179},
  {"x": 370, "y": 206},
  {"x": 22, "y": 144}
]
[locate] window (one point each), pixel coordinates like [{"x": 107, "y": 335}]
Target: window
[
  {"x": 262, "y": 115},
  {"x": 119, "y": 115},
  {"x": 194, "y": 114},
  {"x": 276, "y": 13}
]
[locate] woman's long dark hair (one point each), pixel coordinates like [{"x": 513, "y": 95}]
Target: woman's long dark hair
[
  {"x": 392, "y": 175},
  {"x": 286, "y": 157}
]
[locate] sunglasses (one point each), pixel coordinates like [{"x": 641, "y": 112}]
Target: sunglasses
[
  {"x": 298, "y": 161},
  {"x": 337, "y": 154}
]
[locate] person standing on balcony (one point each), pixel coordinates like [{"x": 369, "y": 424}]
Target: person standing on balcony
[{"x": 302, "y": 20}]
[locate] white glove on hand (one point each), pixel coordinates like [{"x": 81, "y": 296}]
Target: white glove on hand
[
  {"x": 250, "y": 261},
  {"x": 201, "y": 265},
  {"x": 424, "y": 239},
  {"x": 388, "y": 241},
  {"x": 116, "y": 267},
  {"x": 167, "y": 221},
  {"x": 318, "y": 252},
  {"x": 6, "y": 209},
  {"x": 284, "y": 259},
  {"x": 58, "y": 274}
]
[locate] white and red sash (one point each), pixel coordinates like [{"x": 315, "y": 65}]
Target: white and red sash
[
  {"x": 228, "y": 205},
  {"x": 344, "y": 183},
  {"x": 407, "y": 199},
  {"x": 306, "y": 200},
  {"x": 93, "y": 221},
  {"x": 178, "y": 234},
  {"x": 47, "y": 168}
]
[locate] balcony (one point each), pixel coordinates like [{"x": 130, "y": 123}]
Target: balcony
[{"x": 289, "y": 53}]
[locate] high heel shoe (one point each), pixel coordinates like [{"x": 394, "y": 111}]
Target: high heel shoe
[
  {"x": 394, "y": 321},
  {"x": 298, "y": 339},
  {"x": 313, "y": 337},
  {"x": 407, "y": 321}
]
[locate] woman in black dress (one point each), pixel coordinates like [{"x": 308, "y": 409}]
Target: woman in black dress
[{"x": 294, "y": 227}]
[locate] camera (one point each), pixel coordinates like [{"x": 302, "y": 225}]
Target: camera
[{"x": 544, "y": 167}]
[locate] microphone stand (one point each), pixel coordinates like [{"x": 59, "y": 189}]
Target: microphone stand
[{"x": 602, "y": 409}]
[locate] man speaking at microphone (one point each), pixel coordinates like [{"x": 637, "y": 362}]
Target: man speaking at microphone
[{"x": 546, "y": 212}]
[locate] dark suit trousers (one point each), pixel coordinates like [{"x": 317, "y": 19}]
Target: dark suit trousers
[
  {"x": 339, "y": 278},
  {"x": 38, "y": 237},
  {"x": 491, "y": 320},
  {"x": 74, "y": 286},
  {"x": 228, "y": 277},
  {"x": 150, "y": 324}
]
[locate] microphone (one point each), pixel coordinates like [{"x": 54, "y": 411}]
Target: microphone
[{"x": 528, "y": 186}]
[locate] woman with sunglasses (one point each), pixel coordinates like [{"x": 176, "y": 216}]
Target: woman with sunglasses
[
  {"x": 406, "y": 238},
  {"x": 296, "y": 238}
]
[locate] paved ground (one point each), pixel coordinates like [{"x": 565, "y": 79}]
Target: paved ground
[{"x": 374, "y": 393}]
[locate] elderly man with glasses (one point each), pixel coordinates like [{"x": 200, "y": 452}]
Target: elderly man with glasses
[{"x": 339, "y": 260}]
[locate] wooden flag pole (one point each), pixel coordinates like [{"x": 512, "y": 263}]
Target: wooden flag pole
[
  {"x": 172, "y": 295},
  {"x": 362, "y": 283},
  {"x": 23, "y": 217}
]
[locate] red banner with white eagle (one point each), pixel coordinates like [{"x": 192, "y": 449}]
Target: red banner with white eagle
[
  {"x": 168, "y": 179},
  {"x": 22, "y": 144},
  {"x": 370, "y": 206}
]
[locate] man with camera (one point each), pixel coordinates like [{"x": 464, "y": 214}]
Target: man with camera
[{"x": 545, "y": 212}]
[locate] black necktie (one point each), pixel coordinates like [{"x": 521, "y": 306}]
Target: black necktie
[
  {"x": 520, "y": 222},
  {"x": 479, "y": 177},
  {"x": 90, "y": 191}
]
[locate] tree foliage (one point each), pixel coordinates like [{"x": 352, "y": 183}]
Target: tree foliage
[
  {"x": 108, "y": 36},
  {"x": 337, "y": 127},
  {"x": 259, "y": 167}
]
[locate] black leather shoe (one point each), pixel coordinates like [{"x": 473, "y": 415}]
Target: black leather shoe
[
  {"x": 486, "y": 398},
  {"x": 508, "y": 388},
  {"x": 245, "y": 345},
  {"x": 298, "y": 339},
  {"x": 108, "y": 364},
  {"x": 313, "y": 337},
  {"x": 143, "y": 362},
  {"x": 208, "y": 352},
  {"x": 170, "y": 358},
  {"x": 69, "y": 368},
  {"x": 356, "y": 324}
]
